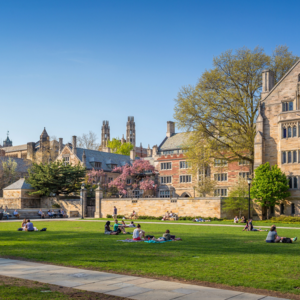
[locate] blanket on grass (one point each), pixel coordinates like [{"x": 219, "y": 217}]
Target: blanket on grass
[{"x": 129, "y": 241}]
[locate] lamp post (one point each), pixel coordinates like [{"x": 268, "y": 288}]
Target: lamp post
[
  {"x": 249, "y": 183},
  {"x": 82, "y": 188}
]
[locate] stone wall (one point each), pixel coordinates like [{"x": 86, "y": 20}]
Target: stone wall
[
  {"x": 204, "y": 207},
  {"x": 69, "y": 205},
  {"x": 19, "y": 203}
]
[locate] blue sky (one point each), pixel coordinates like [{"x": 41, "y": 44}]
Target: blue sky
[{"x": 68, "y": 65}]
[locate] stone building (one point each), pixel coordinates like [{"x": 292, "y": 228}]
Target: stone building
[
  {"x": 130, "y": 137},
  {"x": 40, "y": 150},
  {"x": 175, "y": 176},
  {"x": 92, "y": 159},
  {"x": 277, "y": 139}
]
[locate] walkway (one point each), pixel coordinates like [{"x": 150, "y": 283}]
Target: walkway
[{"x": 118, "y": 285}]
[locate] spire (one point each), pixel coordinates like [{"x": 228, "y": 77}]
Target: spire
[{"x": 44, "y": 136}]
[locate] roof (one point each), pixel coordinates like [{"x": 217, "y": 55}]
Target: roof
[
  {"x": 19, "y": 185},
  {"x": 279, "y": 82},
  {"x": 176, "y": 141},
  {"x": 44, "y": 134},
  {"x": 104, "y": 157},
  {"x": 22, "y": 164},
  {"x": 15, "y": 148}
]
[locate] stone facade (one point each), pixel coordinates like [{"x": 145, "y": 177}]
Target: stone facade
[
  {"x": 204, "y": 207},
  {"x": 277, "y": 139},
  {"x": 69, "y": 205}
]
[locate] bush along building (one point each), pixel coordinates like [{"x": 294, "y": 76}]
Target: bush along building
[{"x": 277, "y": 139}]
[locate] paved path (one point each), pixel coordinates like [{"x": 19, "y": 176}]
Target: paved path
[
  {"x": 118, "y": 285},
  {"x": 143, "y": 222}
]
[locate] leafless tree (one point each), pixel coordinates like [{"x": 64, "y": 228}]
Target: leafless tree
[{"x": 88, "y": 141}]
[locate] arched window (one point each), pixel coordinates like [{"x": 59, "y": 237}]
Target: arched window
[
  {"x": 295, "y": 183},
  {"x": 284, "y": 133},
  {"x": 289, "y": 131},
  {"x": 294, "y": 131}
]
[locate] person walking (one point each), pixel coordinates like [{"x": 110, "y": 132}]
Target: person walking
[{"x": 115, "y": 214}]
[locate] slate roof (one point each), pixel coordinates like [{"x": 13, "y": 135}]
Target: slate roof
[
  {"x": 176, "y": 141},
  {"x": 19, "y": 185},
  {"x": 15, "y": 148},
  {"x": 104, "y": 157},
  {"x": 22, "y": 166}
]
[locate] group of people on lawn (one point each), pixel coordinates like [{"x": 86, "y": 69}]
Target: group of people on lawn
[{"x": 28, "y": 226}]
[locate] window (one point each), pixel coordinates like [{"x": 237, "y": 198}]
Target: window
[
  {"x": 166, "y": 179},
  {"x": 97, "y": 164},
  {"x": 185, "y": 178},
  {"x": 204, "y": 171},
  {"x": 168, "y": 152},
  {"x": 284, "y": 157},
  {"x": 290, "y": 182},
  {"x": 220, "y": 192},
  {"x": 272, "y": 210},
  {"x": 110, "y": 179},
  {"x": 221, "y": 177},
  {"x": 289, "y": 156},
  {"x": 294, "y": 156},
  {"x": 287, "y": 106},
  {"x": 294, "y": 131},
  {"x": 66, "y": 160},
  {"x": 245, "y": 175},
  {"x": 293, "y": 209},
  {"x": 185, "y": 165},
  {"x": 164, "y": 194},
  {"x": 295, "y": 183},
  {"x": 128, "y": 181},
  {"x": 166, "y": 166},
  {"x": 112, "y": 166},
  {"x": 289, "y": 132},
  {"x": 284, "y": 133},
  {"x": 220, "y": 162},
  {"x": 244, "y": 162},
  {"x": 282, "y": 209}
]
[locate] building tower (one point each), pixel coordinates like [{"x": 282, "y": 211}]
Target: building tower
[
  {"x": 7, "y": 142},
  {"x": 130, "y": 131},
  {"x": 105, "y": 133},
  {"x": 44, "y": 146}
]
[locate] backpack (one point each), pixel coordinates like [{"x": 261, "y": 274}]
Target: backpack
[
  {"x": 286, "y": 240},
  {"x": 20, "y": 229},
  {"x": 44, "y": 229}
]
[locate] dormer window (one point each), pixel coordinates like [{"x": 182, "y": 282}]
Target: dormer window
[
  {"x": 112, "y": 166},
  {"x": 97, "y": 164},
  {"x": 287, "y": 106}
]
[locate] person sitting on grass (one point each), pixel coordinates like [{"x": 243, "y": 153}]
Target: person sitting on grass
[
  {"x": 131, "y": 224},
  {"x": 107, "y": 229},
  {"x": 41, "y": 214},
  {"x": 246, "y": 226},
  {"x": 24, "y": 224},
  {"x": 236, "y": 219},
  {"x": 243, "y": 219},
  {"x": 272, "y": 237},
  {"x": 199, "y": 220},
  {"x": 138, "y": 234},
  {"x": 133, "y": 215},
  {"x": 251, "y": 228},
  {"x": 29, "y": 226},
  {"x": 166, "y": 237},
  {"x": 124, "y": 224},
  {"x": 119, "y": 228}
]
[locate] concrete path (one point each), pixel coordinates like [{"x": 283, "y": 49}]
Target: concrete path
[
  {"x": 144, "y": 222},
  {"x": 118, "y": 285}
]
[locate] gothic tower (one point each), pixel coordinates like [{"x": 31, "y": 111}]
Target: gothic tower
[
  {"x": 130, "y": 131},
  {"x": 7, "y": 142},
  {"x": 105, "y": 133},
  {"x": 44, "y": 146}
]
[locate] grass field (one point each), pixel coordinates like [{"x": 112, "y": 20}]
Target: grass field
[
  {"x": 225, "y": 222},
  {"x": 225, "y": 255}
]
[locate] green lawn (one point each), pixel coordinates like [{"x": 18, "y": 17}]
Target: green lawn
[
  {"x": 224, "y": 255},
  {"x": 226, "y": 222}
]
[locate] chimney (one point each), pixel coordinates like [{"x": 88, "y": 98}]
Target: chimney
[
  {"x": 60, "y": 145},
  {"x": 154, "y": 150},
  {"x": 106, "y": 149},
  {"x": 149, "y": 151},
  {"x": 267, "y": 82},
  {"x": 30, "y": 150},
  {"x": 83, "y": 159},
  {"x": 74, "y": 144},
  {"x": 170, "y": 128},
  {"x": 132, "y": 154}
]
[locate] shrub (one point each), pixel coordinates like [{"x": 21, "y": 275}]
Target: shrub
[
  {"x": 284, "y": 219},
  {"x": 108, "y": 216},
  {"x": 55, "y": 205}
]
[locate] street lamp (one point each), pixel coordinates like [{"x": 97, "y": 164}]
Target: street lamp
[
  {"x": 82, "y": 188},
  {"x": 249, "y": 183}
]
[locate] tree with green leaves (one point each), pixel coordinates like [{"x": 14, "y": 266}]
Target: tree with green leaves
[
  {"x": 55, "y": 177},
  {"x": 238, "y": 197},
  {"x": 270, "y": 186},
  {"x": 118, "y": 147},
  {"x": 221, "y": 109}
]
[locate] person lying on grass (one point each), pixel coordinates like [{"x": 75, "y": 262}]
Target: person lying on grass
[
  {"x": 251, "y": 228},
  {"x": 124, "y": 224},
  {"x": 272, "y": 237},
  {"x": 138, "y": 233},
  {"x": 131, "y": 224},
  {"x": 119, "y": 228},
  {"x": 107, "y": 229},
  {"x": 166, "y": 237}
]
